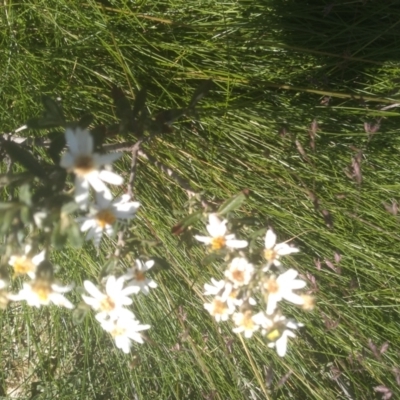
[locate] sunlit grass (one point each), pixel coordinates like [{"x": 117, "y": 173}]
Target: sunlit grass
[{"x": 277, "y": 66}]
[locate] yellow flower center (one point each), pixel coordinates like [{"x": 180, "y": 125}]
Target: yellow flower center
[
  {"x": 107, "y": 304},
  {"x": 118, "y": 331},
  {"x": 219, "y": 307},
  {"x": 273, "y": 335},
  {"x": 247, "y": 321},
  {"x": 238, "y": 276},
  {"x": 42, "y": 289},
  {"x": 233, "y": 294},
  {"x": 23, "y": 265},
  {"x": 140, "y": 276},
  {"x": 105, "y": 217},
  {"x": 83, "y": 165},
  {"x": 271, "y": 285},
  {"x": 270, "y": 255},
  {"x": 218, "y": 243}
]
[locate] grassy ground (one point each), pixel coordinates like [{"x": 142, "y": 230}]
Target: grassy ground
[{"x": 277, "y": 67}]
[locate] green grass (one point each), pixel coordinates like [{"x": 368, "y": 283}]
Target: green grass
[{"x": 277, "y": 66}]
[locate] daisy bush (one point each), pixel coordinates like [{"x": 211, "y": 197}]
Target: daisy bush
[
  {"x": 80, "y": 198},
  {"x": 254, "y": 284}
]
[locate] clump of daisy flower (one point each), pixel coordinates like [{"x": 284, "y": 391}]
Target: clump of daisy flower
[
  {"x": 251, "y": 292},
  {"x": 114, "y": 317},
  {"x": 43, "y": 290}
]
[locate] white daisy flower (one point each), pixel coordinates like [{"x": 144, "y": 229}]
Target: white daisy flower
[
  {"x": 26, "y": 264},
  {"x": 110, "y": 304},
  {"x": 282, "y": 288},
  {"x": 220, "y": 309},
  {"x": 85, "y": 164},
  {"x": 280, "y": 332},
  {"x": 138, "y": 275},
  {"x": 43, "y": 292},
  {"x": 239, "y": 272},
  {"x": 245, "y": 323},
  {"x": 124, "y": 330},
  {"x": 224, "y": 291},
  {"x": 274, "y": 250},
  {"x": 217, "y": 288},
  {"x": 104, "y": 214},
  {"x": 277, "y": 329},
  {"x": 218, "y": 238}
]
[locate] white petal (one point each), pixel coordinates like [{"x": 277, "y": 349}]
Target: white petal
[
  {"x": 108, "y": 159},
  {"x": 128, "y": 291},
  {"x": 149, "y": 264},
  {"x": 281, "y": 345},
  {"x": 272, "y": 303},
  {"x": 293, "y": 298},
  {"x": 270, "y": 239},
  {"x": 67, "y": 161},
  {"x": 284, "y": 249},
  {"x": 297, "y": 284},
  {"x": 84, "y": 141},
  {"x": 97, "y": 235},
  {"x": 126, "y": 208},
  {"x": 93, "y": 290},
  {"x": 97, "y": 184},
  {"x": 236, "y": 244},
  {"x": 81, "y": 191},
  {"x": 87, "y": 224},
  {"x": 113, "y": 285},
  {"x": 123, "y": 343},
  {"x": 90, "y": 301},
  {"x": 216, "y": 227},
  {"x": 287, "y": 276},
  {"x": 71, "y": 140},
  {"x": 111, "y": 177},
  {"x": 39, "y": 258},
  {"x": 102, "y": 201},
  {"x": 204, "y": 239},
  {"x": 152, "y": 284},
  {"x": 60, "y": 300}
]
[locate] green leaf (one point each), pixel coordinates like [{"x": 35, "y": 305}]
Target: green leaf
[
  {"x": 56, "y": 146},
  {"x": 74, "y": 235},
  {"x": 85, "y": 121},
  {"x": 58, "y": 238},
  {"x": 26, "y": 216},
  {"x": 200, "y": 92},
  {"x": 168, "y": 117},
  {"x": 8, "y": 179},
  {"x": 7, "y": 206},
  {"x": 191, "y": 219},
  {"x": 140, "y": 102},
  {"x": 160, "y": 263},
  {"x": 210, "y": 258},
  {"x": 6, "y": 221},
  {"x": 233, "y": 203},
  {"x": 24, "y": 157},
  {"x": 52, "y": 117},
  {"x": 69, "y": 208},
  {"x": 79, "y": 313}
]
